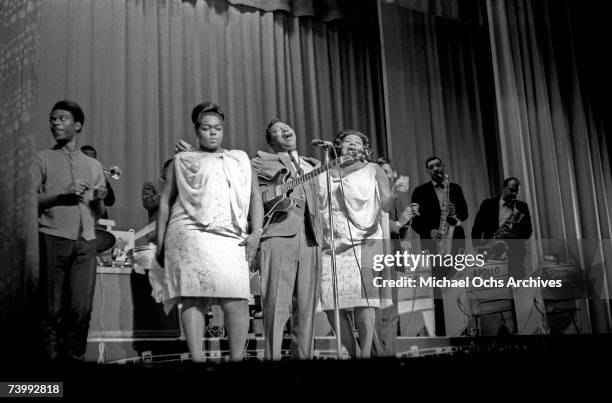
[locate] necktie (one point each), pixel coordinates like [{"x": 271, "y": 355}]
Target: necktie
[{"x": 296, "y": 163}]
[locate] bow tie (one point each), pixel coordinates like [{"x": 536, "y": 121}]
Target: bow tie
[{"x": 439, "y": 185}]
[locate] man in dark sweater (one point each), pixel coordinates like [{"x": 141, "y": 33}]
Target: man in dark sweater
[{"x": 71, "y": 189}]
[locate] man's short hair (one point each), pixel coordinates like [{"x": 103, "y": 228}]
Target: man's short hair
[
  {"x": 205, "y": 108},
  {"x": 87, "y": 147},
  {"x": 383, "y": 160},
  {"x": 269, "y": 129},
  {"x": 512, "y": 178},
  {"x": 72, "y": 107},
  {"x": 164, "y": 169},
  {"x": 428, "y": 160},
  {"x": 168, "y": 162}
]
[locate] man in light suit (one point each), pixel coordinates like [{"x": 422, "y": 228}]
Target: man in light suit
[{"x": 290, "y": 248}]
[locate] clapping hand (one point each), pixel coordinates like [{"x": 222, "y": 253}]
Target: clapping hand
[
  {"x": 408, "y": 214},
  {"x": 436, "y": 234},
  {"x": 181, "y": 146},
  {"x": 99, "y": 193},
  {"x": 401, "y": 185},
  {"x": 76, "y": 190},
  {"x": 78, "y": 187}
]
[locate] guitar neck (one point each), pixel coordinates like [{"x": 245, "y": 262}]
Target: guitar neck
[{"x": 292, "y": 183}]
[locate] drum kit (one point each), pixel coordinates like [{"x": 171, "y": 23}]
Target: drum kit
[
  {"x": 116, "y": 248},
  {"x": 111, "y": 253}
]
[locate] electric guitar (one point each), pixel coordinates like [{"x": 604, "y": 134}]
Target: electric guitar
[{"x": 275, "y": 192}]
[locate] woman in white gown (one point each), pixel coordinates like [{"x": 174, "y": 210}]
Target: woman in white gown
[
  {"x": 360, "y": 194},
  {"x": 202, "y": 237}
]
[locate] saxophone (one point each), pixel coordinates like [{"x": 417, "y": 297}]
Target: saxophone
[
  {"x": 496, "y": 248},
  {"x": 506, "y": 230},
  {"x": 444, "y": 245}
]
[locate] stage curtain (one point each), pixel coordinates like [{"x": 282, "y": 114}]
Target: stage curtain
[
  {"x": 550, "y": 138},
  {"x": 323, "y": 10},
  {"x": 466, "y": 11},
  {"x": 138, "y": 68},
  {"x": 439, "y": 100},
  {"x": 18, "y": 226}
]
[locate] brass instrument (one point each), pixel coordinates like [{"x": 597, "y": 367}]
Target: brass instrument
[
  {"x": 496, "y": 248},
  {"x": 506, "y": 230},
  {"x": 447, "y": 221},
  {"x": 113, "y": 172}
]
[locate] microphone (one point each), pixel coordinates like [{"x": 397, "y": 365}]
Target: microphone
[{"x": 322, "y": 143}]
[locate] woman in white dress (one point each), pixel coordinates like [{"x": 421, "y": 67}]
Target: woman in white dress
[
  {"x": 202, "y": 237},
  {"x": 358, "y": 202}
]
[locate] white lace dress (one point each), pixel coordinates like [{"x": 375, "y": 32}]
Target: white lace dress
[
  {"x": 358, "y": 234},
  {"x": 208, "y": 221}
]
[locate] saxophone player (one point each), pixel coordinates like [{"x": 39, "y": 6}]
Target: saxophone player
[
  {"x": 431, "y": 199},
  {"x": 507, "y": 218},
  {"x": 440, "y": 201}
]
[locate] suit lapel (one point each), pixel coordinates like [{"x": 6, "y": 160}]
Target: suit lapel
[
  {"x": 286, "y": 161},
  {"x": 435, "y": 203}
]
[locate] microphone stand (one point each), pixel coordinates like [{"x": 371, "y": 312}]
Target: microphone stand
[{"x": 327, "y": 149}]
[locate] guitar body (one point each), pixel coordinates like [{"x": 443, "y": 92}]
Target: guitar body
[
  {"x": 276, "y": 192},
  {"x": 275, "y": 202}
]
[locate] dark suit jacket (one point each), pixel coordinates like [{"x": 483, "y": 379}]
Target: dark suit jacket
[
  {"x": 401, "y": 203},
  {"x": 151, "y": 192},
  {"x": 429, "y": 209},
  {"x": 109, "y": 199},
  {"x": 267, "y": 166},
  {"x": 487, "y": 220}
]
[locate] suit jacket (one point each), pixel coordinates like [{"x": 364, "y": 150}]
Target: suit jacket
[
  {"x": 487, "y": 220},
  {"x": 109, "y": 199},
  {"x": 429, "y": 209},
  {"x": 267, "y": 166},
  {"x": 151, "y": 192},
  {"x": 401, "y": 203}
]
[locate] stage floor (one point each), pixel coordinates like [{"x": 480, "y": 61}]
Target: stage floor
[
  {"x": 517, "y": 367},
  {"x": 161, "y": 351}
]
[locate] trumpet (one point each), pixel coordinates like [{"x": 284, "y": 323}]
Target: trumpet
[{"x": 113, "y": 172}]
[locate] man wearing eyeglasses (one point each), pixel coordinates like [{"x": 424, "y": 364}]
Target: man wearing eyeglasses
[{"x": 432, "y": 199}]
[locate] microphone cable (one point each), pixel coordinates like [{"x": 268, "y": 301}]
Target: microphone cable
[{"x": 376, "y": 338}]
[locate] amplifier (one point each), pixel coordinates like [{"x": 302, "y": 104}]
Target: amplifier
[
  {"x": 123, "y": 307},
  {"x": 566, "y": 307}
]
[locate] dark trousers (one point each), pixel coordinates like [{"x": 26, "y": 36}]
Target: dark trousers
[
  {"x": 67, "y": 283},
  {"x": 458, "y": 244}
]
